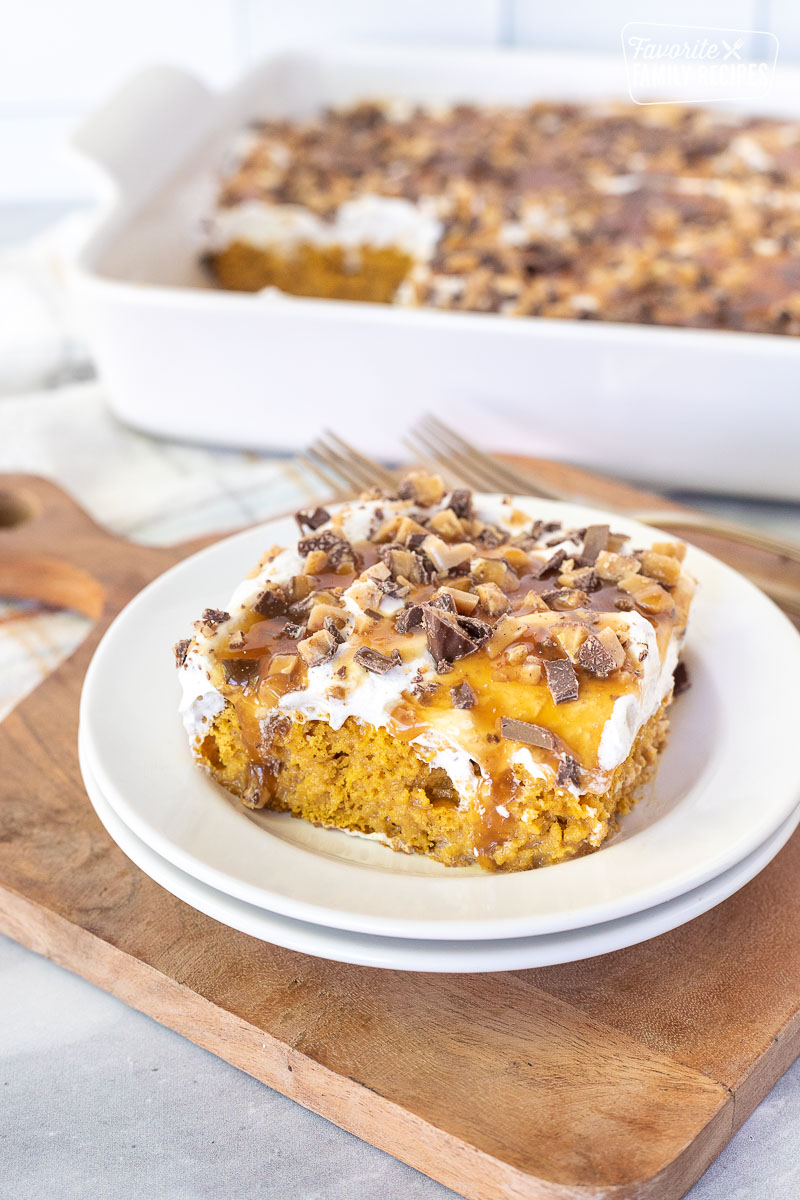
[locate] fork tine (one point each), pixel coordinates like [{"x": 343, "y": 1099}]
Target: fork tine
[
  {"x": 500, "y": 475},
  {"x": 419, "y": 442},
  {"x": 330, "y": 481},
  {"x": 354, "y": 476},
  {"x": 346, "y": 483},
  {"x": 376, "y": 470}
]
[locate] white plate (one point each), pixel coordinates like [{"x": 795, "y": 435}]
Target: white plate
[
  {"x": 729, "y": 778},
  {"x": 404, "y": 954}
]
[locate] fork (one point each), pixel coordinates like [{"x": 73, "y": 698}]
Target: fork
[{"x": 345, "y": 470}]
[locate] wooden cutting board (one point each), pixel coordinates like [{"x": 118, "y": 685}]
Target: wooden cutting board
[{"x": 622, "y": 1076}]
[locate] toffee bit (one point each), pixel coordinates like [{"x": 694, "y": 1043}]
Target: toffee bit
[
  {"x": 337, "y": 548},
  {"x": 293, "y": 631},
  {"x": 461, "y": 502},
  {"x": 623, "y": 604},
  {"x": 333, "y": 629},
  {"x": 681, "y": 681},
  {"x": 318, "y": 649},
  {"x": 180, "y": 650},
  {"x": 277, "y": 724},
  {"x": 212, "y": 618},
  {"x": 390, "y": 587},
  {"x": 525, "y": 731},
  {"x": 237, "y": 642},
  {"x": 561, "y": 679},
  {"x": 568, "y": 772},
  {"x": 594, "y": 540},
  {"x": 462, "y": 695},
  {"x": 594, "y": 657},
  {"x": 312, "y": 518},
  {"x": 374, "y": 661}
]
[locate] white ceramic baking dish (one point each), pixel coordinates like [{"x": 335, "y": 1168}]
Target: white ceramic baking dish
[{"x": 703, "y": 409}]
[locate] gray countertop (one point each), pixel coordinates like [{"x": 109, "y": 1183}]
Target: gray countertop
[{"x": 99, "y": 1101}]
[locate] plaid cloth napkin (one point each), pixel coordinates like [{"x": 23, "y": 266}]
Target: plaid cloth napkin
[{"x": 143, "y": 489}]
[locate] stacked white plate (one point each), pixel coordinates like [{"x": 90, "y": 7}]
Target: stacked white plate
[{"x": 724, "y": 803}]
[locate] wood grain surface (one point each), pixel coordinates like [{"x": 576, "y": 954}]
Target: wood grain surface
[{"x": 621, "y": 1076}]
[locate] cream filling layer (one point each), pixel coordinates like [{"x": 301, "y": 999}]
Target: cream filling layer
[{"x": 369, "y": 220}]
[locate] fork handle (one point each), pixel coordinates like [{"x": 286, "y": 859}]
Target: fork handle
[{"x": 677, "y": 520}]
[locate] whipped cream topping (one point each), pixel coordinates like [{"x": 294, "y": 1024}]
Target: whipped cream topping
[
  {"x": 368, "y": 220},
  {"x": 448, "y": 738}
]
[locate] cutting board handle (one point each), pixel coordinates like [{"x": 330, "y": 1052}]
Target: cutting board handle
[
  {"x": 51, "y": 551},
  {"x": 54, "y": 553}
]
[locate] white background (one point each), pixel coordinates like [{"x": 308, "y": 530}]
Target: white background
[{"x": 59, "y": 58}]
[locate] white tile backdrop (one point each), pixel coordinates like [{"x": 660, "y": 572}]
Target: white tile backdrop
[{"x": 58, "y": 58}]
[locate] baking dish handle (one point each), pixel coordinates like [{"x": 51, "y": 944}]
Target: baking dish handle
[{"x": 139, "y": 135}]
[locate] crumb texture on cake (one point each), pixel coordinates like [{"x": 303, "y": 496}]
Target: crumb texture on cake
[
  {"x": 667, "y": 215},
  {"x": 444, "y": 671}
]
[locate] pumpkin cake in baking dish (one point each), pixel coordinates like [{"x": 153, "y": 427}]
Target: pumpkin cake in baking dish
[
  {"x": 659, "y": 215},
  {"x": 443, "y": 672}
]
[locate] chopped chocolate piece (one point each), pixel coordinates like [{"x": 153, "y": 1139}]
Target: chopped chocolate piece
[
  {"x": 293, "y": 631},
  {"x": 180, "y": 650},
  {"x": 272, "y": 602},
  {"x": 461, "y": 502},
  {"x": 444, "y": 601},
  {"x": 540, "y": 569},
  {"x": 594, "y": 657},
  {"x": 423, "y": 688},
  {"x": 390, "y": 587},
  {"x": 213, "y": 617},
  {"x": 462, "y": 695},
  {"x": 374, "y": 661},
  {"x": 490, "y": 537},
  {"x": 568, "y": 772},
  {"x": 312, "y": 518},
  {"x": 373, "y": 614},
  {"x": 333, "y": 629},
  {"x": 240, "y": 671},
  {"x": 525, "y": 731},
  {"x": 561, "y": 679},
  {"x": 623, "y": 604},
  {"x": 566, "y": 598},
  {"x": 681, "y": 681},
  {"x": 536, "y": 530},
  {"x": 416, "y": 540},
  {"x": 566, "y": 535},
  {"x": 409, "y": 619},
  {"x": 337, "y": 548},
  {"x": 594, "y": 540},
  {"x": 478, "y": 630},
  {"x": 451, "y": 637}
]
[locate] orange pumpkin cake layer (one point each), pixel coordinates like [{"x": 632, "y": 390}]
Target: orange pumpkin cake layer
[{"x": 444, "y": 672}]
